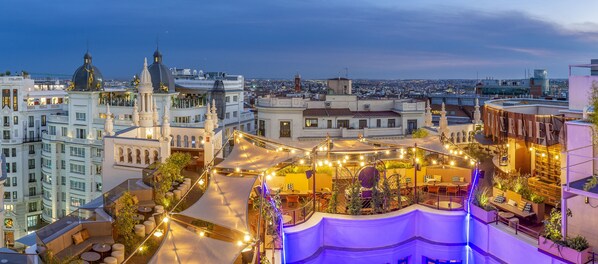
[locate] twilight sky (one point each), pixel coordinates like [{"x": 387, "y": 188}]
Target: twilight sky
[{"x": 318, "y": 38}]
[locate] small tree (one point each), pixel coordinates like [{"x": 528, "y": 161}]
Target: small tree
[
  {"x": 354, "y": 206},
  {"x": 333, "y": 203},
  {"x": 420, "y": 133},
  {"x": 124, "y": 222},
  {"x": 167, "y": 172},
  {"x": 377, "y": 201},
  {"x": 179, "y": 159},
  {"x": 553, "y": 225},
  {"x": 387, "y": 194}
]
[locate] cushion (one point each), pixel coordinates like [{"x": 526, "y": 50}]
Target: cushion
[
  {"x": 528, "y": 207},
  {"x": 438, "y": 178},
  {"x": 512, "y": 202},
  {"x": 499, "y": 199},
  {"x": 521, "y": 206},
  {"x": 461, "y": 179},
  {"x": 84, "y": 234},
  {"x": 77, "y": 238},
  {"x": 455, "y": 178}
]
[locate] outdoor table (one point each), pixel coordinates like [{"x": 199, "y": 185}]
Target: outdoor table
[
  {"x": 448, "y": 205},
  {"x": 144, "y": 209},
  {"x": 506, "y": 215},
  {"x": 101, "y": 248},
  {"x": 90, "y": 256}
]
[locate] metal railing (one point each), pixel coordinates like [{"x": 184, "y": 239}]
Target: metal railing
[
  {"x": 516, "y": 226},
  {"x": 299, "y": 215}
]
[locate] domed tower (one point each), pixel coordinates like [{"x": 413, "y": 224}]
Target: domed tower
[
  {"x": 87, "y": 78},
  {"x": 162, "y": 80}
]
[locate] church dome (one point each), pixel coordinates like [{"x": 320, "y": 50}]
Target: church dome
[
  {"x": 87, "y": 78},
  {"x": 162, "y": 79}
]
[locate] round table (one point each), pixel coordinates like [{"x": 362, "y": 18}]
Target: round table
[
  {"x": 286, "y": 219},
  {"x": 506, "y": 215},
  {"x": 448, "y": 205},
  {"x": 101, "y": 248},
  {"x": 144, "y": 209},
  {"x": 90, "y": 256}
]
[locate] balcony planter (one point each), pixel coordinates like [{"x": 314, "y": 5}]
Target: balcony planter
[
  {"x": 483, "y": 215},
  {"x": 569, "y": 254}
]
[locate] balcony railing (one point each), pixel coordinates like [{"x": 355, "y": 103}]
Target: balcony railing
[{"x": 31, "y": 139}]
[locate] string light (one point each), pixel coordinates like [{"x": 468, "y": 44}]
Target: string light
[
  {"x": 434, "y": 162},
  {"x": 361, "y": 157},
  {"x": 301, "y": 161},
  {"x": 472, "y": 162},
  {"x": 447, "y": 146},
  {"x": 401, "y": 156},
  {"x": 543, "y": 155},
  {"x": 237, "y": 169},
  {"x": 239, "y": 243},
  {"x": 387, "y": 152},
  {"x": 307, "y": 153},
  {"x": 530, "y": 148},
  {"x": 201, "y": 182},
  {"x": 346, "y": 157},
  {"x": 268, "y": 177},
  {"x": 141, "y": 248},
  {"x": 165, "y": 220},
  {"x": 158, "y": 233},
  {"x": 362, "y": 164},
  {"x": 416, "y": 160},
  {"x": 556, "y": 157},
  {"x": 452, "y": 163},
  {"x": 460, "y": 152},
  {"x": 202, "y": 234},
  {"x": 246, "y": 238},
  {"x": 292, "y": 151},
  {"x": 507, "y": 145}
]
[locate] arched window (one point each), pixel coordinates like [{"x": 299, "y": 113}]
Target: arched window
[
  {"x": 156, "y": 156},
  {"x": 137, "y": 156},
  {"x": 147, "y": 156},
  {"x": 178, "y": 141},
  {"x": 193, "y": 143},
  {"x": 121, "y": 155},
  {"x": 129, "y": 155},
  {"x": 186, "y": 141}
]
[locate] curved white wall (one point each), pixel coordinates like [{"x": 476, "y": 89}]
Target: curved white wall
[{"x": 413, "y": 232}]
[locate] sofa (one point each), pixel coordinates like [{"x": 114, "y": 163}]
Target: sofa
[{"x": 62, "y": 243}]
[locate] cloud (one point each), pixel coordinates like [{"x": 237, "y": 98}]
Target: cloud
[{"x": 274, "y": 39}]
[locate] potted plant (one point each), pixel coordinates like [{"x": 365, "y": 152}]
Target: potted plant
[
  {"x": 333, "y": 203},
  {"x": 481, "y": 208},
  {"x": 124, "y": 222},
  {"x": 354, "y": 204},
  {"x": 551, "y": 241}
]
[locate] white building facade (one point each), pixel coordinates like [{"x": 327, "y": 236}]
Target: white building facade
[
  {"x": 338, "y": 116},
  {"x": 26, "y": 107}
]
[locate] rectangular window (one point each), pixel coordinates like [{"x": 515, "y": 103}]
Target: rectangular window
[
  {"x": 63, "y": 196},
  {"x": 32, "y": 207},
  {"x": 14, "y": 167},
  {"x": 378, "y": 122},
  {"x": 78, "y": 152},
  {"x": 77, "y": 201},
  {"x": 47, "y": 163},
  {"x": 33, "y": 220},
  {"x": 235, "y": 113},
  {"x": 63, "y": 164},
  {"x": 14, "y": 195},
  {"x": 14, "y": 152},
  {"x": 391, "y": 122},
  {"x": 235, "y": 98},
  {"x": 32, "y": 177},
  {"x": 80, "y": 116},
  {"x": 52, "y": 130},
  {"x": 62, "y": 148},
  {"x": 14, "y": 181},
  {"x": 6, "y": 152},
  {"x": 81, "y": 133},
  {"x": 15, "y": 120},
  {"x": 329, "y": 123},
  {"x": 227, "y": 99},
  {"x": 261, "y": 130},
  {"x": 363, "y": 123},
  {"x": 6, "y": 120},
  {"x": 77, "y": 185},
  {"x": 6, "y": 195},
  {"x": 7, "y": 182},
  {"x": 31, "y": 121},
  {"x": 32, "y": 191},
  {"x": 63, "y": 182},
  {"x": 47, "y": 147},
  {"x": 43, "y": 120},
  {"x": 311, "y": 122},
  {"x": 15, "y": 100},
  {"x": 6, "y": 134},
  {"x": 342, "y": 123},
  {"x": 63, "y": 131},
  {"x": 77, "y": 168},
  {"x": 5, "y": 98},
  {"x": 31, "y": 163},
  {"x": 285, "y": 129},
  {"x": 31, "y": 149},
  {"x": 227, "y": 115}
]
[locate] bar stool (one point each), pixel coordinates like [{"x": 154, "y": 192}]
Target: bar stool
[
  {"x": 177, "y": 194},
  {"x": 169, "y": 195},
  {"x": 110, "y": 260},
  {"x": 119, "y": 256},
  {"x": 140, "y": 230},
  {"x": 118, "y": 247},
  {"x": 149, "y": 226}
]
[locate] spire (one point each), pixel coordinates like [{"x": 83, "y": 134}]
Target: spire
[
  {"x": 109, "y": 124},
  {"x": 145, "y": 79},
  {"x": 135, "y": 114},
  {"x": 208, "y": 124},
  {"x": 428, "y": 117},
  {"x": 443, "y": 124},
  {"x": 166, "y": 123},
  {"x": 155, "y": 114},
  {"x": 214, "y": 114},
  {"x": 477, "y": 116}
]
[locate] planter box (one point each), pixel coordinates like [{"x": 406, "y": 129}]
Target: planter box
[
  {"x": 483, "y": 215},
  {"x": 563, "y": 252}
]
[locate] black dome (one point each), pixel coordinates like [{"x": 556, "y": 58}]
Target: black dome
[
  {"x": 162, "y": 79},
  {"x": 87, "y": 78}
]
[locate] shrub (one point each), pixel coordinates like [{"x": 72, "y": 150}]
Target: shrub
[
  {"x": 420, "y": 133},
  {"x": 124, "y": 222},
  {"x": 354, "y": 205},
  {"x": 552, "y": 225},
  {"x": 482, "y": 198},
  {"x": 578, "y": 243}
]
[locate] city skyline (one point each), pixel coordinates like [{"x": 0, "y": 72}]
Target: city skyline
[{"x": 374, "y": 40}]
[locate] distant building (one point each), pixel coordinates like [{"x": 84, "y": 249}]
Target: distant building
[
  {"x": 538, "y": 85},
  {"x": 338, "y": 116},
  {"x": 297, "y": 83},
  {"x": 340, "y": 86}
]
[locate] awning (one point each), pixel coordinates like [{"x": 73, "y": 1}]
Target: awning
[
  {"x": 224, "y": 202},
  {"x": 28, "y": 240},
  {"x": 248, "y": 156},
  {"x": 185, "y": 246}
]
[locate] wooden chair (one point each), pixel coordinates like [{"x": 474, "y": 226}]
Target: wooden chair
[
  {"x": 434, "y": 189},
  {"x": 452, "y": 190},
  {"x": 292, "y": 200},
  {"x": 464, "y": 189}
]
